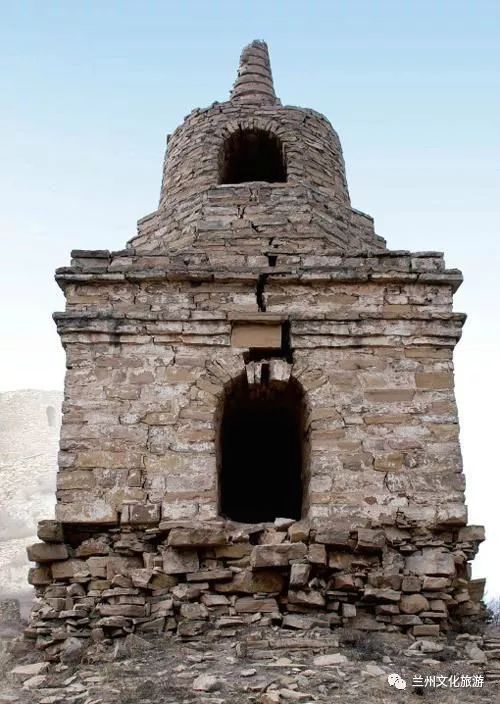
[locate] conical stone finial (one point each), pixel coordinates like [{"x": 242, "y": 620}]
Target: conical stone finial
[{"x": 255, "y": 79}]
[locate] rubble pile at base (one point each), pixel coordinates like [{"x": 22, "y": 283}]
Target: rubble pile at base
[{"x": 184, "y": 577}]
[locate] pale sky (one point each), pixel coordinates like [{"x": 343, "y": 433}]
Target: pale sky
[{"x": 90, "y": 90}]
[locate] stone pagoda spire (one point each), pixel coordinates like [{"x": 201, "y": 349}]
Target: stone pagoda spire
[
  {"x": 254, "y": 82},
  {"x": 258, "y": 401}
]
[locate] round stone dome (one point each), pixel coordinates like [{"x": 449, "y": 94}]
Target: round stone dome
[{"x": 248, "y": 151}]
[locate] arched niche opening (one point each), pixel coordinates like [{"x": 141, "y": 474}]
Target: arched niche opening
[
  {"x": 252, "y": 155},
  {"x": 262, "y": 451},
  {"x": 51, "y": 416}
]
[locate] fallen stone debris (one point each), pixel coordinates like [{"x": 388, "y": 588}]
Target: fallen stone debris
[
  {"x": 258, "y": 664},
  {"x": 185, "y": 579}
]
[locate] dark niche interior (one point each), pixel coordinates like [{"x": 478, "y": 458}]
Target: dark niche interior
[
  {"x": 261, "y": 446},
  {"x": 252, "y": 155}
]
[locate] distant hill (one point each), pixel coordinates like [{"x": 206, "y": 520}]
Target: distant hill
[{"x": 29, "y": 438}]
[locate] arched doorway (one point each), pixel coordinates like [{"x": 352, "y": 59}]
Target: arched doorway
[{"x": 261, "y": 451}]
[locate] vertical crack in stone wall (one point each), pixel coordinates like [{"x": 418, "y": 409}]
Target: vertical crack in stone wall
[{"x": 260, "y": 292}]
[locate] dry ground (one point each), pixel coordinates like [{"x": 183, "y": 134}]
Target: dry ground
[{"x": 263, "y": 666}]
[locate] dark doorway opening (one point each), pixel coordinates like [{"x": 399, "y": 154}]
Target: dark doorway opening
[
  {"x": 252, "y": 155},
  {"x": 261, "y": 446},
  {"x": 51, "y": 416}
]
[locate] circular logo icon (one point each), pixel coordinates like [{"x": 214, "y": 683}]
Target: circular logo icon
[{"x": 396, "y": 681}]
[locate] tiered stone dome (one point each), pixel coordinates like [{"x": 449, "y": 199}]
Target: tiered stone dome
[{"x": 249, "y": 170}]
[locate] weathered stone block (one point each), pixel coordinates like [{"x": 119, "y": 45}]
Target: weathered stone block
[
  {"x": 299, "y": 574},
  {"x": 390, "y": 395},
  {"x": 90, "y": 510},
  {"x": 413, "y": 604},
  {"x": 50, "y": 531},
  {"x": 97, "y": 566},
  {"x": 306, "y": 598},
  {"x": 141, "y": 577},
  {"x": 406, "y": 620},
  {"x": 451, "y": 515},
  {"x": 411, "y": 584},
  {"x": 434, "y": 380},
  {"x": 140, "y": 514},
  {"x": 374, "y": 594},
  {"x": 162, "y": 608},
  {"x": 130, "y": 610},
  {"x": 75, "y": 479},
  {"x": 272, "y": 537},
  {"x": 276, "y": 555},
  {"x": 438, "y": 605},
  {"x": 303, "y": 623},
  {"x": 476, "y": 589},
  {"x": 389, "y": 462},
  {"x": 335, "y": 538},
  {"x": 108, "y": 459},
  {"x": 299, "y": 531},
  {"x": 247, "y": 582},
  {"x": 201, "y": 536},
  {"x": 435, "y": 583},
  {"x": 69, "y": 569},
  {"x": 38, "y": 576},
  {"x": 93, "y": 546},
  {"x": 426, "y": 630},
  {"x": 470, "y": 534},
  {"x": 431, "y": 561},
  {"x": 165, "y": 417},
  {"x": 348, "y": 610},
  {"x": 180, "y": 561},
  {"x": 316, "y": 554},
  {"x": 344, "y": 582},
  {"x": 249, "y": 605},
  {"x": 370, "y": 540},
  {"x": 190, "y": 629},
  {"x": 213, "y": 600},
  {"x": 252, "y": 335},
  {"x": 162, "y": 581},
  {"x": 233, "y": 552},
  {"x": 194, "y": 612},
  {"x": 121, "y": 565},
  {"x": 47, "y": 552},
  {"x": 214, "y": 575}
]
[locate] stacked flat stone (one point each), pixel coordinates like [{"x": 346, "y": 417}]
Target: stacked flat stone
[
  {"x": 188, "y": 578},
  {"x": 310, "y": 213},
  {"x": 255, "y": 81},
  {"x": 154, "y": 336}
]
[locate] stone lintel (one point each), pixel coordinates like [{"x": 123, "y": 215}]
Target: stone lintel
[
  {"x": 94, "y": 512},
  {"x": 256, "y": 335},
  {"x": 92, "y": 254}
]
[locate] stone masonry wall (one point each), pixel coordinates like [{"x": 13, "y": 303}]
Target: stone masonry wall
[
  {"x": 269, "y": 284},
  {"x": 148, "y": 362},
  {"x": 186, "y": 578}
]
